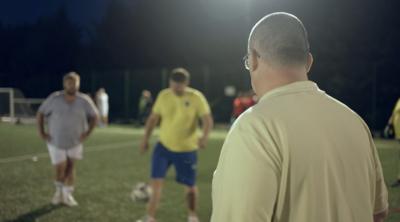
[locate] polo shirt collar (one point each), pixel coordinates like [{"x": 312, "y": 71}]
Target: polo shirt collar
[{"x": 300, "y": 86}]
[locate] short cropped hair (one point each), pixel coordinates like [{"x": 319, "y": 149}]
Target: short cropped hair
[
  {"x": 179, "y": 75},
  {"x": 280, "y": 38},
  {"x": 73, "y": 76}
]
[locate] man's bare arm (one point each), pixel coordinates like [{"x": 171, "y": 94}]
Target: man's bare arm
[
  {"x": 40, "y": 123},
  {"x": 207, "y": 123},
  {"x": 380, "y": 217},
  {"x": 92, "y": 124},
  {"x": 151, "y": 123}
]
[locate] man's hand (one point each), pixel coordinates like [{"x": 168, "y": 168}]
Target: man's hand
[
  {"x": 84, "y": 136},
  {"x": 45, "y": 136},
  {"x": 388, "y": 132},
  {"x": 202, "y": 142},
  {"x": 40, "y": 120},
  {"x": 148, "y": 129},
  {"x": 207, "y": 123},
  {"x": 381, "y": 216},
  {"x": 144, "y": 146}
]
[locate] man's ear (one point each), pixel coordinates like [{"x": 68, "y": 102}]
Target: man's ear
[
  {"x": 187, "y": 82},
  {"x": 254, "y": 60},
  {"x": 310, "y": 61}
]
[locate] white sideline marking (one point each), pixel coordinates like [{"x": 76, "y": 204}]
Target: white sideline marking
[{"x": 86, "y": 149}]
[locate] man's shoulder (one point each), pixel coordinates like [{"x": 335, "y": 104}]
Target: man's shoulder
[
  {"x": 55, "y": 95},
  {"x": 250, "y": 117},
  {"x": 341, "y": 105},
  {"x": 165, "y": 92},
  {"x": 397, "y": 106},
  {"x": 250, "y": 127},
  {"x": 194, "y": 92},
  {"x": 83, "y": 96}
]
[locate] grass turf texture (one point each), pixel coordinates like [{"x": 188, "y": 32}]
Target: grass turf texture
[{"x": 106, "y": 176}]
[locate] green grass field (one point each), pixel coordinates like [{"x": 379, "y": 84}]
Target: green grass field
[{"x": 106, "y": 176}]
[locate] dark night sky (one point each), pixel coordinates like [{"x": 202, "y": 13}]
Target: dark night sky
[
  {"x": 354, "y": 43},
  {"x": 82, "y": 12}
]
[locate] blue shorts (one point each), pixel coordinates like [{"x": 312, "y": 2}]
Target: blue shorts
[{"x": 184, "y": 162}]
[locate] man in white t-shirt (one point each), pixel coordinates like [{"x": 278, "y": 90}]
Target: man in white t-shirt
[
  {"x": 102, "y": 105},
  {"x": 65, "y": 119}
]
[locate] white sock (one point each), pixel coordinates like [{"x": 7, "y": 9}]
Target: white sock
[
  {"x": 68, "y": 189},
  {"x": 59, "y": 186}
]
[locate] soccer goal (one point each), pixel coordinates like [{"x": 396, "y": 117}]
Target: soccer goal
[{"x": 15, "y": 108}]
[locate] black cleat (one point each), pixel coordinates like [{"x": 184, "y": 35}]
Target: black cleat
[{"x": 396, "y": 184}]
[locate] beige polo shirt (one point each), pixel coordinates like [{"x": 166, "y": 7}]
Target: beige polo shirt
[{"x": 300, "y": 156}]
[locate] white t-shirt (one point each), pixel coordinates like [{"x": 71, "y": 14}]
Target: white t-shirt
[
  {"x": 102, "y": 104},
  {"x": 67, "y": 121}
]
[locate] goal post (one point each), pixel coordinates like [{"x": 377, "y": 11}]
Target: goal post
[
  {"x": 6, "y": 102},
  {"x": 14, "y": 107}
]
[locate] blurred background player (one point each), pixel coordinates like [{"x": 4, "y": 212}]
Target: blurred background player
[
  {"x": 394, "y": 125},
  {"x": 102, "y": 105},
  {"x": 67, "y": 114},
  {"x": 242, "y": 102},
  {"x": 145, "y": 105},
  {"x": 179, "y": 109},
  {"x": 238, "y": 107}
]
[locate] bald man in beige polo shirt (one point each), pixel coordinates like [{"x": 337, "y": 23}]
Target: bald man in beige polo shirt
[{"x": 299, "y": 155}]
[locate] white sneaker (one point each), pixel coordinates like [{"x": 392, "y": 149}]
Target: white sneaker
[
  {"x": 57, "y": 198},
  {"x": 193, "y": 219},
  {"x": 69, "y": 200}
]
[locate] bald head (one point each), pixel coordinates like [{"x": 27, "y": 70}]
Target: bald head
[{"x": 281, "y": 39}]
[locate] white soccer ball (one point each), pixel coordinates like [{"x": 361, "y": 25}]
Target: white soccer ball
[{"x": 141, "y": 192}]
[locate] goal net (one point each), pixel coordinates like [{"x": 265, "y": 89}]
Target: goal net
[{"x": 14, "y": 107}]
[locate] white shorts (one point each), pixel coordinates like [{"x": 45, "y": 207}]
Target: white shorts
[
  {"x": 58, "y": 155},
  {"x": 103, "y": 111}
]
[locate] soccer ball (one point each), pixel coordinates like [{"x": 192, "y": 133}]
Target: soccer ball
[{"x": 141, "y": 192}]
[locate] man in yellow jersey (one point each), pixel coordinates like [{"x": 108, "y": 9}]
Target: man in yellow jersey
[
  {"x": 394, "y": 122},
  {"x": 179, "y": 109},
  {"x": 289, "y": 158}
]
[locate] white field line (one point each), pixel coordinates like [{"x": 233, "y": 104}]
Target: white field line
[
  {"x": 87, "y": 149},
  {"x": 96, "y": 148}
]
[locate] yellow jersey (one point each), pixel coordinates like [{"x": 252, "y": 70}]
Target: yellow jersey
[
  {"x": 396, "y": 119},
  {"x": 180, "y": 117}
]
